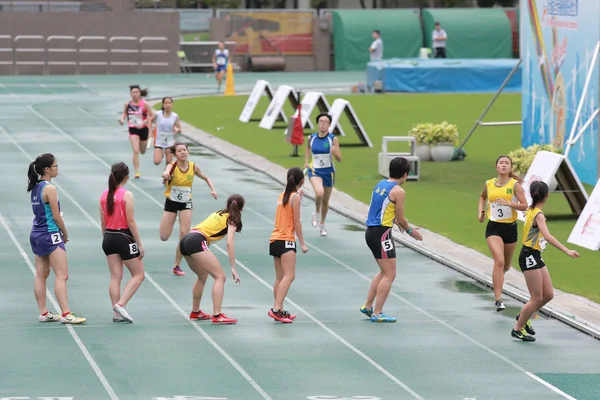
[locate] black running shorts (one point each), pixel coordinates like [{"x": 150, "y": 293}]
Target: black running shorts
[
  {"x": 530, "y": 259},
  {"x": 508, "y": 232},
  {"x": 192, "y": 243},
  {"x": 380, "y": 241},
  {"x": 278, "y": 248},
  {"x": 120, "y": 242}
]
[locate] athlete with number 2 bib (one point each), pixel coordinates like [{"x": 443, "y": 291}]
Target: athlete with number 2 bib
[
  {"x": 505, "y": 196},
  {"x": 386, "y": 208},
  {"x": 180, "y": 176}
]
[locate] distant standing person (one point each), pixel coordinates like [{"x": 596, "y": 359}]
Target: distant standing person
[
  {"x": 439, "y": 38},
  {"x": 376, "y": 48},
  {"x": 220, "y": 60}
]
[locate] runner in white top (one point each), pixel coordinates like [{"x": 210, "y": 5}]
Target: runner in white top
[{"x": 167, "y": 125}]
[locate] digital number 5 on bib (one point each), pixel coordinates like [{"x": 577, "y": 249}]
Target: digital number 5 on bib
[
  {"x": 321, "y": 161},
  {"x": 500, "y": 212},
  {"x": 181, "y": 194}
]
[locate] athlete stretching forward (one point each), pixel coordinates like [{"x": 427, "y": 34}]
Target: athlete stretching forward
[
  {"x": 48, "y": 237},
  {"x": 387, "y": 207}
]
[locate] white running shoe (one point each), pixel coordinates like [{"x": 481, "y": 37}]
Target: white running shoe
[
  {"x": 122, "y": 311},
  {"x": 323, "y": 231},
  {"x": 315, "y": 219},
  {"x": 49, "y": 317},
  {"x": 72, "y": 319}
]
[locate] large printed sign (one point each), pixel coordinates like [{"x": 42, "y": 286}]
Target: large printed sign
[
  {"x": 270, "y": 33},
  {"x": 586, "y": 232},
  {"x": 557, "y": 43}
]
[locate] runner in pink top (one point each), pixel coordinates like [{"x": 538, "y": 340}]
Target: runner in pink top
[{"x": 121, "y": 240}]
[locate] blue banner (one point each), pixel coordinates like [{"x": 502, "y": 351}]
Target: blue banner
[{"x": 558, "y": 38}]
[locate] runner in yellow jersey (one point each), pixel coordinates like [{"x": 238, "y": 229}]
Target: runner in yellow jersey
[
  {"x": 178, "y": 197},
  {"x": 504, "y": 196},
  {"x": 535, "y": 236}
]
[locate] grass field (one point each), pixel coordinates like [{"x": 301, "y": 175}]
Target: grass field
[{"x": 445, "y": 199}]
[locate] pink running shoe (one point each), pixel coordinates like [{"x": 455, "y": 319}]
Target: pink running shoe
[{"x": 177, "y": 271}]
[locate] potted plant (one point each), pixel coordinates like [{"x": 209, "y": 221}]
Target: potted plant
[
  {"x": 443, "y": 138},
  {"x": 522, "y": 159},
  {"x": 421, "y": 133}
]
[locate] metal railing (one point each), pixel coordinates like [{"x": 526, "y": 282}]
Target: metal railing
[{"x": 102, "y": 53}]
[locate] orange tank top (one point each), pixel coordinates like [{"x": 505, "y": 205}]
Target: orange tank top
[
  {"x": 284, "y": 221},
  {"x": 118, "y": 219}
]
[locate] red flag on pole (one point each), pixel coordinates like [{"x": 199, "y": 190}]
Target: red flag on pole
[{"x": 298, "y": 131}]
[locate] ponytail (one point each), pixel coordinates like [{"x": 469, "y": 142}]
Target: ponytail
[
  {"x": 144, "y": 92},
  {"x": 235, "y": 204},
  {"x": 37, "y": 169},
  {"x": 294, "y": 177},
  {"x": 118, "y": 173},
  {"x": 538, "y": 191}
]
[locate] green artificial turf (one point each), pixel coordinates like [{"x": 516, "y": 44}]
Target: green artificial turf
[{"x": 445, "y": 199}]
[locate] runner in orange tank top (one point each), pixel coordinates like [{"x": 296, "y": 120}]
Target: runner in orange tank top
[{"x": 283, "y": 242}]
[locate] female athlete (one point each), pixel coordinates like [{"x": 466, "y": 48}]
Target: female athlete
[
  {"x": 180, "y": 176},
  {"x": 535, "y": 236},
  {"x": 48, "y": 237},
  {"x": 504, "y": 196},
  {"x": 283, "y": 242},
  {"x": 139, "y": 116},
  {"x": 121, "y": 240},
  {"x": 167, "y": 126},
  {"x": 321, "y": 172},
  {"x": 195, "y": 248}
]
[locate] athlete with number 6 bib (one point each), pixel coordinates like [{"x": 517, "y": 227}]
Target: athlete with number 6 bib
[
  {"x": 386, "y": 208},
  {"x": 539, "y": 284},
  {"x": 121, "y": 240},
  {"x": 321, "y": 172},
  {"x": 167, "y": 126},
  {"x": 180, "y": 176},
  {"x": 48, "y": 237},
  {"x": 504, "y": 196}
]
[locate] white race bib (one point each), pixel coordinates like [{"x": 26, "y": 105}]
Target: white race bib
[
  {"x": 290, "y": 245},
  {"x": 221, "y": 61},
  {"x": 543, "y": 243},
  {"x": 135, "y": 120},
  {"x": 499, "y": 212},
  {"x": 181, "y": 194},
  {"x": 321, "y": 160},
  {"x": 165, "y": 139}
]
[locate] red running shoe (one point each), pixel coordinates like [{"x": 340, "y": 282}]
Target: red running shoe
[
  {"x": 223, "y": 319},
  {"x": 279, "y": 316},
  {"x": 199, "y": 315}
]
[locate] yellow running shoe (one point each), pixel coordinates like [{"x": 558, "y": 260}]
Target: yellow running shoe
[{"x": 72, "y": 319}]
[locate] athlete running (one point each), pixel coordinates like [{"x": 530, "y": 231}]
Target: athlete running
[
  {"x": 179, "y": 175},
  {"x": 139, "y": 116},
  {"x": 220, "y": 60},
  {"x": 121, "y": 240},
  {"x": 48, "y": 238},
  {"x": 167, "y": 125},
  {"x": 195, "y": 248}
]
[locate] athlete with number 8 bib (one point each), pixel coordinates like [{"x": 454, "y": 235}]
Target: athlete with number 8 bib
[
  {"x": 321, "y": 172},
  {"x": 178, "y": 197},
  {"x": 121, "y": 241},
  {"x": 386, "y": 208},
  {"x": 282, "y": 245},
  {"x": 48, "y": 237},
  {"x": 504, "y": 196},
  {"x": 537, "y": 277}
]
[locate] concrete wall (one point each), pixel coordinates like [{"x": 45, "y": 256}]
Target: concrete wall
[{"x": 70, "y": 56}]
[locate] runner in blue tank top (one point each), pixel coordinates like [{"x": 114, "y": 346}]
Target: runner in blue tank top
[
  {"x": 386, "y": 208},
  {"x": 48, "y": 237},
  {"x": 220, "y": 61},
  {"x": 323, "y": 146}
]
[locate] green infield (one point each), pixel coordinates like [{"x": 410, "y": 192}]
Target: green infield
[{"x": 445, "y": 199}]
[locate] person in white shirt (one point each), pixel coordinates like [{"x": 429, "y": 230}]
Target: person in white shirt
[
  {"x": 376, "y": 48},
  {"x": 439, "y": 38}
]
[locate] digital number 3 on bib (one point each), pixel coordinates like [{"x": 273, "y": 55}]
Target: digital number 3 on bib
[
  {"x": 499, "y": 212},
  {"x": 181, "y": 194},
  {"x": 321, "y": 160}
]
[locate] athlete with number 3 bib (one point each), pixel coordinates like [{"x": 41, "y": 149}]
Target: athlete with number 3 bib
[
  {"x": 539, "y": 284},
  {"x": 48, "y": 237},
  {"x": 321, "y": 172},
  {"x": 180, "y": 176},
  {"x": 121, "y": 241},
  {"x": 385, "y": 209},
  {"x": 505, "y": 196}
]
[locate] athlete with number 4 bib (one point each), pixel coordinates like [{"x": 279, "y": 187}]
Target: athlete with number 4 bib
[
  {"x": 386, "y": 208},
  {"x": 121, "y": 240},
  {"x": 180, "y": 176},
  {"x": 167, "y": 126},
  {"x": 505, "y": 196},
  {"x": 539, "y": 284},
  {"x": 48, "y": 237},
  {"x": 321, "y": 172}
]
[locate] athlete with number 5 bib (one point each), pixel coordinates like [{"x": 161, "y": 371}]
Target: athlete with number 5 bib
[
  {"x": 386, "y": 208},
  {"x": 505, "y": 196},
  {"x": 167, "y": 126},
  {"x": 321, "y": 172},
  {"x": 282, "y": 245},
  {"x": 539, "y": 284},
  {"x": 180, "y": 176},
  {"x": 121, "y": 241},
  {"x": 48, "y": 237}
]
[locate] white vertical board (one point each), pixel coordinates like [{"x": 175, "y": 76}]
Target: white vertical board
[
  {"x": 309, "y": 101},
  {"x": 260, "y": 87},
  {"x": 586, "y": 232},
  {"x": 340, "y": 106},
  {"x": 275, "y": 108}
]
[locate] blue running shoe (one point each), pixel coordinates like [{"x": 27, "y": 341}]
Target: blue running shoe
[
  {"x": 367, "y": 311},
  {"x": 382, "y": 318}
]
